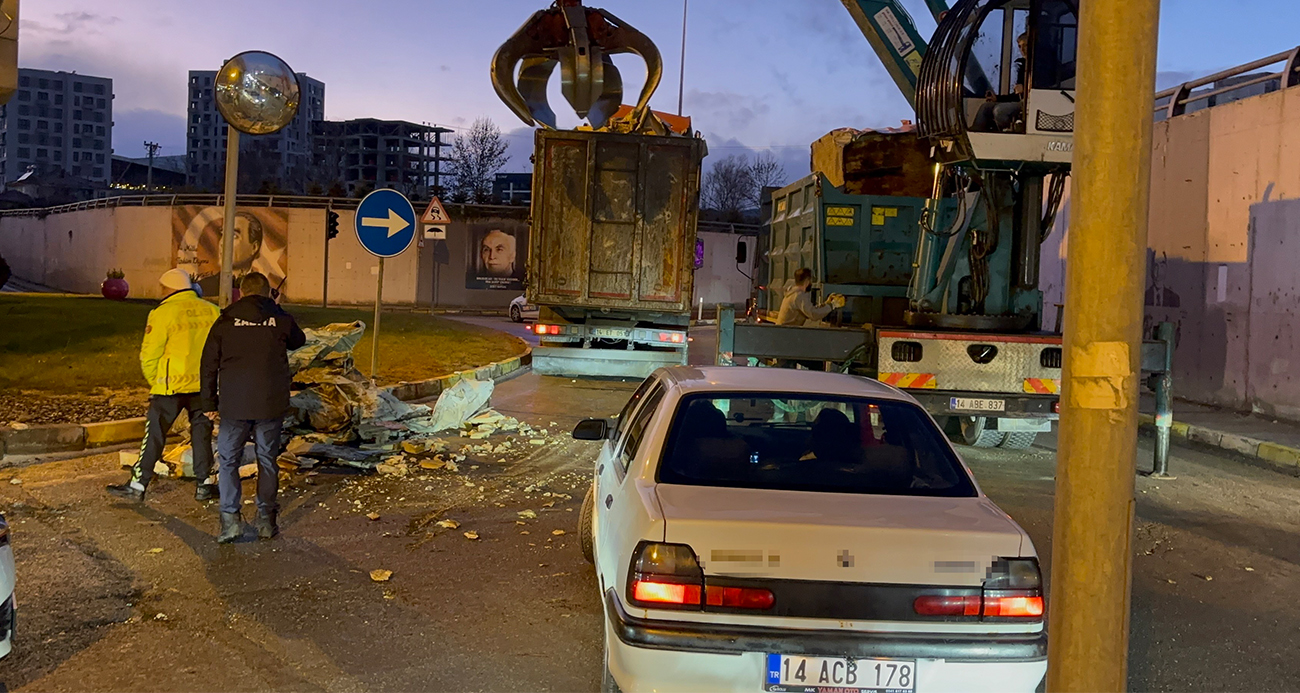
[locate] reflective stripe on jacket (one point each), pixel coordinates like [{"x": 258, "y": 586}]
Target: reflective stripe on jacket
[{"x": 172, "y": 352}]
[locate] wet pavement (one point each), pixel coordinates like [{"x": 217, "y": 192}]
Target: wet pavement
[{"x": 120, "y": 597}]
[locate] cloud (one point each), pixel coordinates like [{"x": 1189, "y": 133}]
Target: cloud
[
  {"x": 68, "y": 24},
  {"x": 132, "y": 127},
  {"x": 716, "y": 109},
  {"x": 794, "y": 158}
]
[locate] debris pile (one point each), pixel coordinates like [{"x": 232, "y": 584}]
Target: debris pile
[{"x": 338, "y": 417}]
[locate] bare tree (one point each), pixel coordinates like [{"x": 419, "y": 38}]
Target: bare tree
[
  {"x": 735, "y": 184},
  {"x": 476, "y": 156},
  {"x": 728, "y": 187},
  {"x": 767, "y": 172}
]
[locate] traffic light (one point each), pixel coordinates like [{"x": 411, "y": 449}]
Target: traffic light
[{"x": 331, "y": 224}]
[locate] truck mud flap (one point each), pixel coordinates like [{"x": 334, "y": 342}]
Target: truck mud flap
[{"x": 606, "y": 363}]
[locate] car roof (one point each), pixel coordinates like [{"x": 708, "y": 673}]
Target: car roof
[{"x": 690, "y": 379}]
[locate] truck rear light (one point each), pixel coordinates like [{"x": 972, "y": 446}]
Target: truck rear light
[
  {"x": 546, "y": 329},
  {"x": 674, "y": 337},
  {"x": 1056, "y": 407}
]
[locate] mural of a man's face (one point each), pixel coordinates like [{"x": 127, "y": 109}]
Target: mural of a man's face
[
  {"x": 497, "y": 253},
  {"x": 248, "y": 240}
]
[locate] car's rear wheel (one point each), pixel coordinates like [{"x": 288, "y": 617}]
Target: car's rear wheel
[
  {"x": 974, "y": 431},
  {"x": 516, "y": 315},
  {"x": 585, "y": 537},
  {"x": 1020, "y": 440}
]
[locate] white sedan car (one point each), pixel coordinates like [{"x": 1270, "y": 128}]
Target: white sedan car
[
  {"x": 521, "y": 309},
  {"x": 786, "y": 530},
  {"x": 7, "y": 613}
]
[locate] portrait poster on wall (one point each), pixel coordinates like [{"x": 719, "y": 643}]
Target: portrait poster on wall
[
  {"x": 497, "y": 255},
  {"x": 261, "y": 237}
]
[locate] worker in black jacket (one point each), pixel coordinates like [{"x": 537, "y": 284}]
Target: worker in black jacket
[{"x": 246, "y": 373}]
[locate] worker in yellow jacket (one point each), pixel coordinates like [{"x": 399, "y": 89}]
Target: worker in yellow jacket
[{"x": 170, "y": 358}]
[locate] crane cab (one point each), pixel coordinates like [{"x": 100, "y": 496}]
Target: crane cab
[{"x": 996, "y": 87}]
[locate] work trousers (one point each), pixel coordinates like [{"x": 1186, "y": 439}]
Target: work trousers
[
  {"x": 231, "y": 437},
  {"x": 163, "y": 410}
]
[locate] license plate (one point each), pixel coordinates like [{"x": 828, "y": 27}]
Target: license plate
[
  {"x": 797, "y": 674},
  {"x": 610, "y": 332},
  {"x": 968, "y": 404}
]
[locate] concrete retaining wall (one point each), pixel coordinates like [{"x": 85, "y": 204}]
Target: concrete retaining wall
[{"x": 1223, "y": 252}]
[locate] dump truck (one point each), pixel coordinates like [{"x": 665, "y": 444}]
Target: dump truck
[{"x": 611, "y": 250}]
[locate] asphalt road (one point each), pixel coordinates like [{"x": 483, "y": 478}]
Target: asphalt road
[{"x": 117, "y": 597}]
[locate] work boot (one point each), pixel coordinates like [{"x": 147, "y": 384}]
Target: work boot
[
  {"x": 205, "y": 492},
  {"x": 132, "y": 491},
  {"x": 265, "y": 524},
  {"x": 232, "y": 526}
]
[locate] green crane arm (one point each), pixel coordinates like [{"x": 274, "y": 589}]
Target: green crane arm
[{"x": 892, "y": 33}]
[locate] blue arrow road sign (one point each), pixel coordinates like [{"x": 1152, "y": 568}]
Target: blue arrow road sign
[{"x": 385, "y": 223}]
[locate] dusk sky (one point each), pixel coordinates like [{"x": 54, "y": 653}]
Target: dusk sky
[{"x": 761, "y": 74}]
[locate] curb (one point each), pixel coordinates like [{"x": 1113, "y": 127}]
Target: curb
[
  {"x": 44, "y": 439},
  {"x": 1281, "y": 457}
]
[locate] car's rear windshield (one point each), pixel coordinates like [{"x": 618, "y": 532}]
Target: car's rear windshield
[{"x": 800, "y": 442}]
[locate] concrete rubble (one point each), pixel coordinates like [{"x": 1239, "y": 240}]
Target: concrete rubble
[{"x": 339, "y": 418}]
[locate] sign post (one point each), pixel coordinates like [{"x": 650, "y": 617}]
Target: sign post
[
  {"x": 385, "y": 225},
  {"x": 434, "y": 222}
]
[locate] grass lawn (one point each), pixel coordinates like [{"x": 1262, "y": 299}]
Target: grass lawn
[{"x": 74, "y": 345}]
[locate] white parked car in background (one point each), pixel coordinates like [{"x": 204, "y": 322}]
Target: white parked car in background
[
  {"x": 8, "y": 614},
  {"x": 521, "y": 309},
  {"x": 785, "y": 530}
]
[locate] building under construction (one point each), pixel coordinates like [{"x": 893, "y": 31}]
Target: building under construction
[{"x": 367, "y": 153}]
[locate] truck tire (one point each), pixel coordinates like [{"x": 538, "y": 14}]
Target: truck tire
[
  {"x": 585, "y": 538},
  {"x": 1019, "y": 440},
  {"x": 973, "y": 431}
]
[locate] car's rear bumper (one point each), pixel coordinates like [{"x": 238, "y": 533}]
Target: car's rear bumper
[
  {"x": 647, "y": 654},
  {"x": 729, "y": 639}
]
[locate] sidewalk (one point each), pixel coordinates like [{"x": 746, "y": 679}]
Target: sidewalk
[{"x": 1273, "y": 442}]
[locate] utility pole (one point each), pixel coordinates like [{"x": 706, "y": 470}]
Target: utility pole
[
  {"x": 681, "y": 75},
  {"x": 152, "y": 148},
  {"x": 1093, "y": 527}
]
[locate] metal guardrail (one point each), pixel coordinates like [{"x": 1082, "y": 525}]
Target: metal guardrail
[
  {"x": 217, "y": 200},
  {"x": 1184, "y": 94}
]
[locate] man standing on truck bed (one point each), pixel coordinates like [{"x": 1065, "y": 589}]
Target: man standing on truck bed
[{"x": 797, "y": 308}]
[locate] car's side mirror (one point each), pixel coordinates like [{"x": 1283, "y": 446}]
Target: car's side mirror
[{"x": 591, "y": 429}]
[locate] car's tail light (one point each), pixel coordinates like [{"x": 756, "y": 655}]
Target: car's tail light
[
  {"x": 4, "y": 532},
  {"x": 1013, "y": 606},
  {"x": 665, "y": 575},
  {"x": 936, "y": 605},
  {"x": 546, "y": 329},
  {"x": 1013, "y": 589},
  {"x": 669, "y": 576},
  {"x": 738, "y": 597},
  {"x": 657, "y": 592}
]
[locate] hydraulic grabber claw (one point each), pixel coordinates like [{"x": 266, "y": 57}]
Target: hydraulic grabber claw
[{"x": 580, "y": 40}]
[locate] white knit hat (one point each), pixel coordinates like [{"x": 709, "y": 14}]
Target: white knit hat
[{"x": 176, "y": 280}]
